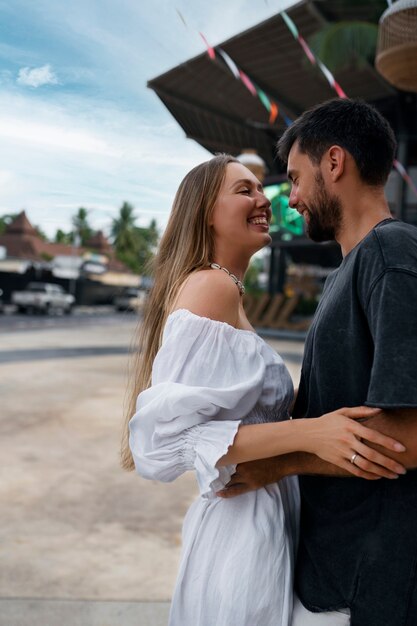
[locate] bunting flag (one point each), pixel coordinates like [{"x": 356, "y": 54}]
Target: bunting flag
[
  {"x": 405, "y": 175},
  {"x": 307, "y": 50},
  {"x": 311, "y": 56},
  {"x": 230, "y": 63},
  {"x": 210, "y": 50},
  {"x": 273, "y": 114},
  {"x": 247, "y": 82}
]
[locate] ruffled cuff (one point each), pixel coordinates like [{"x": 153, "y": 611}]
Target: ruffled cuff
[{"x": 204, "y": 445}]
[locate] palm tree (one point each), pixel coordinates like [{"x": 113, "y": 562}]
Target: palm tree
[
  {"x": 123, "y": 229},
  {"x": 135, "y": 245},
  {"x": 81, "y": 225}
]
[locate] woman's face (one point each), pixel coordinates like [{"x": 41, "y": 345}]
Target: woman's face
[{"x": 242, "y": 212}]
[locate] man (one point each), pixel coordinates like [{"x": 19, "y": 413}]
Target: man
[{"x": 357, "y": 561}]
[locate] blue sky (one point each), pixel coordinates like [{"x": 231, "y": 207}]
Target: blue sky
[{"x": 78, "y": 127}]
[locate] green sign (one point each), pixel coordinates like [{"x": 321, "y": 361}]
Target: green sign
[{"x": 285, "y": 220}]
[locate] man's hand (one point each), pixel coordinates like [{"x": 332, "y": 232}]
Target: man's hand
[{"x": 256, "y": 474}]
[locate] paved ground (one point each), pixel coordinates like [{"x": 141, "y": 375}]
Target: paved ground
[
  {"x": 82, "y": 543},
  {"x": 24, "y": 612}
]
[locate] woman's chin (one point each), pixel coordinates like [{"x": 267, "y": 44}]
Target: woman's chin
[{"x": 263, "y": 241}]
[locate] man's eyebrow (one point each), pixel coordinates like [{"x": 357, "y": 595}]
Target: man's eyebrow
[{"x": 248, "y": 182}]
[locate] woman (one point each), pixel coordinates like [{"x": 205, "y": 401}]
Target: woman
[{"x": 212, "y": 394}]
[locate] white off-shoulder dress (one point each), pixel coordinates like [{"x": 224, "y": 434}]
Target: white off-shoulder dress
[{"x": 238, "y": 554}]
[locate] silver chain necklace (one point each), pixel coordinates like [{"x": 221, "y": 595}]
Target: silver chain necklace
[{"x": 238, "y": 283}]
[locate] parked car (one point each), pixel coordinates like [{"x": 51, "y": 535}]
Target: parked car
[
  {"x": 130, "y": 299},
  {"x": 43, "y": 298}
]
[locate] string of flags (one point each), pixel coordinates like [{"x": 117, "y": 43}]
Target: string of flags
[
  {"x": 311, "y": 56},
  {"x": 269, "y": 103},
  {"x": 338, "y": 89}
]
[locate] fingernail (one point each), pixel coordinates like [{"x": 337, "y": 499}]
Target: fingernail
[
  {"x": 399, "y": 447},
  {"x": 401, "y": 470},
  {"x": 393, "y": 477}
]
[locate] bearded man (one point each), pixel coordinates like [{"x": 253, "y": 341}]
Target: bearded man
[{"x": 357, "y": 558}]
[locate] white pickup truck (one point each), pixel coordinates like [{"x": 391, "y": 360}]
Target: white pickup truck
[{"x": 43, "y": 298}]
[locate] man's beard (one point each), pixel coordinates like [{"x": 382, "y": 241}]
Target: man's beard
[{"x": 325, "y": 213}]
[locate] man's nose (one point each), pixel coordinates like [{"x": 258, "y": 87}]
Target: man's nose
[{"x": 293, "y": 199}]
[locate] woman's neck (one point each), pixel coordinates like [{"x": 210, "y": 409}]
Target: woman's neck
[{"x": 238, "y": 268}]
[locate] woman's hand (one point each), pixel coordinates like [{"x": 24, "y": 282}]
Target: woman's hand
[{"x": 337, "y": 438}]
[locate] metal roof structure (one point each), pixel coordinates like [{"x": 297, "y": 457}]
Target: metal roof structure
[{"x": 218, "y": 112}]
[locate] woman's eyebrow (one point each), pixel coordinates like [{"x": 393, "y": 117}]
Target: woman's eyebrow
[{"x": 248, "y": 182}]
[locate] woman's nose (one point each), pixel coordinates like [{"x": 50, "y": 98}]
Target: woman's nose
[{"x": 263, "y": 201}]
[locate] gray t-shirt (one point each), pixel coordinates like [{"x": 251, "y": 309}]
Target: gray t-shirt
[{"x": 358, "y": 543}]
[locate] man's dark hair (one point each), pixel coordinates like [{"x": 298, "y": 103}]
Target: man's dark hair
[{"x": 352, "y": 124}]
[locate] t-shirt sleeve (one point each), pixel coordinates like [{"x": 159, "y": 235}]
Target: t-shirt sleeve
[{"x": 392, "y": 318}]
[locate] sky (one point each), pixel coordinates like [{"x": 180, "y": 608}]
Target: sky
[{"x": 78, "y": 126}]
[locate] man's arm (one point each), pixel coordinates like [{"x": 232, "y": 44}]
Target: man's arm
[{"x": 401, "y": 424}]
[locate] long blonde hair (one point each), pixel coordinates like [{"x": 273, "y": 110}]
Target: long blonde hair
[{"x": 186, "y": 246}]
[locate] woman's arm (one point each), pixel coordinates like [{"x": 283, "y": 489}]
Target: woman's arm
[{"x": 334, "y": 437}]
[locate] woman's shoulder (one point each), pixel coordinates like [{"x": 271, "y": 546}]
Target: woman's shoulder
[{"x": 212, "y": 294}]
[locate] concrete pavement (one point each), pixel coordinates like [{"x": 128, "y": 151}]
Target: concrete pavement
[{"x": 29, "y": 612}]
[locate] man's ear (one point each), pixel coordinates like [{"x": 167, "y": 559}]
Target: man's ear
[{"x": 335, "y": 162}]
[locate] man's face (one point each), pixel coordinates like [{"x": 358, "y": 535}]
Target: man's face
[{"x": 322, "y": 211}]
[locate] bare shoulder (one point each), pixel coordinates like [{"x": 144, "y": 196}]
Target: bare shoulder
[{"x": 212, "y": 294}]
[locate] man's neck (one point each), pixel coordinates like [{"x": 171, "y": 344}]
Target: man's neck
[{"x": 360, "y": 220}]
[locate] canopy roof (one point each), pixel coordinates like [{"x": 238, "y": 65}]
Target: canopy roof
[{"x": 218, "y": 112}]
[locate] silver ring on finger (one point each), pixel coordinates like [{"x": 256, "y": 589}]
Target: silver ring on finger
[{"x": 353, "y": 457}]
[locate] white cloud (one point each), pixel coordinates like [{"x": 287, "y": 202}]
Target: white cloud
[
  {"x": 74, "y": 152},
  {"x": 49, "y": 136},
  {"x": 37, "y": 76}
]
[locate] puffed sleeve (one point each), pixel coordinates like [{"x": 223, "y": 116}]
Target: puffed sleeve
[{"x": 206, "y": 377}]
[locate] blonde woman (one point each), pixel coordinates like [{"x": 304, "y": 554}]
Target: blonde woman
[{"x": 210, "y": 394}]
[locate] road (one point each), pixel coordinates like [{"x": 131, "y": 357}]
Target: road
[{"x": 81, "y": 316}]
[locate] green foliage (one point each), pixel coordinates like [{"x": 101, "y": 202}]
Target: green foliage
[
  {"x": 63, "y": 237},
  {"x": 5, "y": 221},
  {"x": 46, "y": 257},
  {"x": 82, "y": 226},
  {"x": 251, "y": 281},
  {"x": 135, "y": 246},
  {"x": 345, "y": 44}
]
